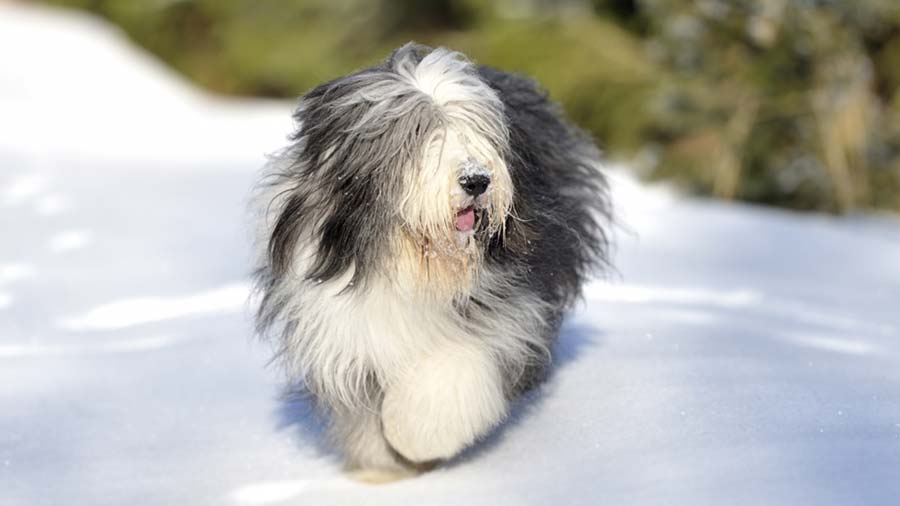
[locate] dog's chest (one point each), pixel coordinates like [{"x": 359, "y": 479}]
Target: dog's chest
[{"x": 377, "y": 328}]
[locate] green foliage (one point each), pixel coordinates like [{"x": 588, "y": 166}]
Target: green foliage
[
  {"x": 779, "y": 102},
  {"x": 792, "y": 103}
]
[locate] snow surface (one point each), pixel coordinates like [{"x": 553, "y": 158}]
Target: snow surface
[{"x": 740, "y": 356}]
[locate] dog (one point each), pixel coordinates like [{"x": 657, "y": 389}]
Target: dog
[{"x": 422, "y": 237}]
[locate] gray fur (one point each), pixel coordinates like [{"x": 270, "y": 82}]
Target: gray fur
[{"x": 334, "y": 195}]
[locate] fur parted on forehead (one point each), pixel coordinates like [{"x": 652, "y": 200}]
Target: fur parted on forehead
[{"x": 371, "y": 167}]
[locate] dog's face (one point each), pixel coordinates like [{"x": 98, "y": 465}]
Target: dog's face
[
  {"x": 397, "y": 171},
  {"x": 456, "y": 195}
]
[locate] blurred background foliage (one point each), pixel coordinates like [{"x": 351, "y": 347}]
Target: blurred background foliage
[{"x": 794, "y": 103}]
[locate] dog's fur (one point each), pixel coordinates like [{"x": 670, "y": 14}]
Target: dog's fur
[{"x": 414, "y": 334}]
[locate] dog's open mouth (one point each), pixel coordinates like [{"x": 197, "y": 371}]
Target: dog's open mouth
[{"x": 465, "y": 219}]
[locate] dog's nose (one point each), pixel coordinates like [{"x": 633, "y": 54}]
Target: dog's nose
[{"x": 475, "y": 184}]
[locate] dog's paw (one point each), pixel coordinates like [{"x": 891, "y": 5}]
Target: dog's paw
[
  {"x": 411, "y": 429},
  {"x": 443, "y": 405},
  {"x": 381, "y": 476}
]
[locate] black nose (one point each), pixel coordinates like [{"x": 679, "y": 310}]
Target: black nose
[{"x": 475, "y": 185}]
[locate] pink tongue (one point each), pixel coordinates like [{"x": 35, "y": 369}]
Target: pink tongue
[{"x": 465, "y": 219}]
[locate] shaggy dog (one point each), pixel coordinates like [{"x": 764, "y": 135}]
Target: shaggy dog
[{"x": 424, "y": 233}]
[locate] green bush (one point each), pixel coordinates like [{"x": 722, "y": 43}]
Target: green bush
[{"x": 791, "y": 103}]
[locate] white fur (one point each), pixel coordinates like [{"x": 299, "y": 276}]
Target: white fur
[
  {"x": 473, "y": 129},
  {"x": 444, "y": 402},
  {"x": 440, "y": 375},
  {"x": 441, "y": 379},
  {"x": 387, "y": 329}
]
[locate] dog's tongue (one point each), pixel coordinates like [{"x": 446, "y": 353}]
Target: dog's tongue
[{"x": 465, "y": 219}]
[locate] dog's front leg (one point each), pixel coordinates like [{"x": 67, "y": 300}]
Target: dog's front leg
[
  {"x": 368, "y": 456},
  {"x": 443, "y": 403}
]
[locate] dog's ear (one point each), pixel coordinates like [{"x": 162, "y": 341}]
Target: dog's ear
[
  {"x": 356, "y": 138},
  {"x": 284, "y": 235}
]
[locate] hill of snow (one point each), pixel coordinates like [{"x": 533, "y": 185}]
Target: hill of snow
[{"x": 741, "y": 356}]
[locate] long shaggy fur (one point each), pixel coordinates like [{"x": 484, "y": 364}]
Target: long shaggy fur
[{"x": 413, "y": 334}]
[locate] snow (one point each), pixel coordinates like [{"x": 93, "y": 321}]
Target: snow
[{"x": 739, "y": 356}]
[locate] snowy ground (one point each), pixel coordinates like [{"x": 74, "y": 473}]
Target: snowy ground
[{"x": 741, "y": 356}]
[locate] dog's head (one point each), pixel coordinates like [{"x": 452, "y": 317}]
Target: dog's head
[{"x": 397, "y": 171}]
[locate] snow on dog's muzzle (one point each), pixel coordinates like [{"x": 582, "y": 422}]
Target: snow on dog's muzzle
[{"x": 474, "y": 177}]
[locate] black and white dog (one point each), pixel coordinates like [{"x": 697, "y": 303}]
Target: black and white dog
[{"x": 424, "y": 234}]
